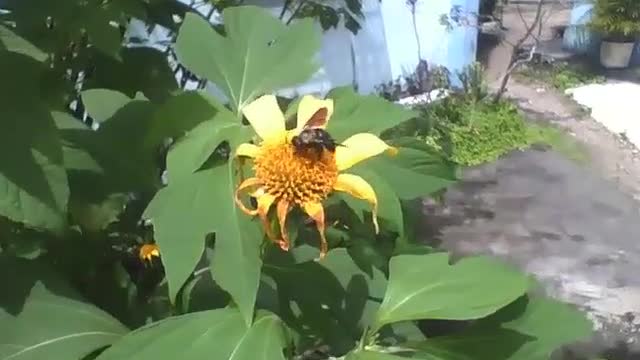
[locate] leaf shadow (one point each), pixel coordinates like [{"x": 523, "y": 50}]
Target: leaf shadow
[
  {"x": 317, "y": 305},
  {"x": 19, "y": 276}
]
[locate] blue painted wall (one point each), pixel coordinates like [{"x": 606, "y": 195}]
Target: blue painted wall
[{"x": 463, "y": 41}]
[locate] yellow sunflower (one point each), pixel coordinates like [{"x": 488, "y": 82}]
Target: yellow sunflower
[{"x": 288, "y": 178}]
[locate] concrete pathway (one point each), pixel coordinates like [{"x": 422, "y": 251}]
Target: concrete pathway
[
  {"x": 575, "y": 227},
  {"x": 577, "y": 233},
  {"x": 616, "y": 105}
]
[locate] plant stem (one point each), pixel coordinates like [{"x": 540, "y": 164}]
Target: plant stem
[
  {"x": 415, "y": 28},
  {"x": 285, "y": 7},
  {"x": 296, "y": 11}
]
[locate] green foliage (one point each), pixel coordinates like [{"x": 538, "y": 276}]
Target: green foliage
[
  {"x": 470, "y": 132},
  {"x": 219, "y": 334},
  {"x": 561, "y": 75},
  {"x": 617, "y": 20},
  {"x": 486, "y": 132},
  {"x": 428, "y": 287},
  {"x": 559, "y": 141},
  {"x": 78, "y": 203},
  {"x": 258, "y": 53},
  {"x": 470, "y": 129}
]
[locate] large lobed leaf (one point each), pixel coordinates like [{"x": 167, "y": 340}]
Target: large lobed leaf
[
  {"x": 356, "y": 113},
  {"x": 258, "y": 55},
  {"x": 200, "y": 203},
  {"x": 429, "y": 287},
  {"x": 215, "y": 334},
  {"x": 415, "y": 171},
  {"x": 41, "y": 318},
  {"x": 528, "y": 329},
  {"x": 33, "y": 183}
]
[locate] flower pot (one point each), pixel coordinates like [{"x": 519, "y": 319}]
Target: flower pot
[{"x": 616, "y": 55}]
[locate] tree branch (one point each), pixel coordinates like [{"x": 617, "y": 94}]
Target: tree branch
[{"x": 514, "y": 62}]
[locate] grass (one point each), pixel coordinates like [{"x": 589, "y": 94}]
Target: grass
[
  {"x": 559, "y": 141},
  {"x": 561, "y": 75}
]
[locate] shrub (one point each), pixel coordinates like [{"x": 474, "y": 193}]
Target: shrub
[
  {"x": 617, "y": 20},
  {"x": 472, "y": 133}
]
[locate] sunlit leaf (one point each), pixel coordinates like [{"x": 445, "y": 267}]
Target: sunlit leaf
[
  {"x": 357, "y": 113},
  {"x": 414, "y": 171},
  {"x": 258, "y": 55},
  {"x": 12, "y": 42},
  {"x": 180, "y": 114},
  {"x": 428, "y": 287},
  {"x": 33, "y": 184},
  {"x": 49, "y": 322},
  {"x": 192, "y": 150},
  {"x": 193, "y": 206},
  {"x": 102, "y": 104},
  {"x": 215, "y": 334}
]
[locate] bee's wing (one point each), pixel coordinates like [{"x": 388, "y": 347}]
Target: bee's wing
[{"x": 318, "y": 119}]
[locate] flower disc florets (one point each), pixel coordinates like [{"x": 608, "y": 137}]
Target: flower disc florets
[{"x": 294, "y": 177}]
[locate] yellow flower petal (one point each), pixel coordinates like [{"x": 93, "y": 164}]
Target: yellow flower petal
[
  {"x": 283, "y": 209},
  {"x": 251, "y": 182},
  {"x": 308, "y": 106},
  {"x": 316, "y": 212},
  {"x": 357, "y": 148},
  {"x": 264, "y": 204},
  {"x": 359, "y": 188},
  {"x": 247, "y": 150},
  {"x": 265, "y": 116}
]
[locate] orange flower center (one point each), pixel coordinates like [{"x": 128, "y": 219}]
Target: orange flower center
[
  {"x": 148, "y": 251},
  {"x": 295, "y": 177}
]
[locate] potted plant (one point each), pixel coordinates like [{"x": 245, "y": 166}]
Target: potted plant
[{"x": 618, "y": 21}]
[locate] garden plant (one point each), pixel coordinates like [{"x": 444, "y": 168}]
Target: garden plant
[{"x": 172, "y": 224}]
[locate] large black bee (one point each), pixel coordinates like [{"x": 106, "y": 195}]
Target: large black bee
[{"x": 313, "y": 139}]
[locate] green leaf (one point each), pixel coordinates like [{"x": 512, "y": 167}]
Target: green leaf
[
  {"x": 428, "y": 287},
  {"x": 12, "y": 42},
  {"x": 356, "y": 113},
  {"x": 136, "y": 164},
  {"x": 474, "y": 344},
  {"x": 333, "y": 299},
  {"x": 180, "y": 114},
  {"x": 258, "y": 55},
  {"x": 215, "y": 334},
  {"x": 72, "y": 20},
  {"x": 51, "y": 323},
  {"x": 549, "y": 322},
  {"x": 193, "y": 206},
  {"x": 414, "y": 172},
  {"x": 192, "y": 150},
  {"x": 141, "y": 69},
  {"x": 102, "y": 104},
  {"x": 372, "y": 355},
  {"x": 33, "y": 183},
  {"x": 389, "y": 207}
]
